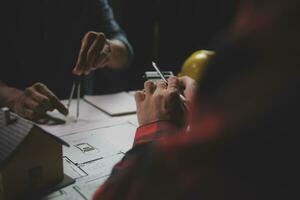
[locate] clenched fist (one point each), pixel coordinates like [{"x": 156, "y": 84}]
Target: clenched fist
[
  {"x": 160, "y": 101},
  {"x": 97, "y": 52}
]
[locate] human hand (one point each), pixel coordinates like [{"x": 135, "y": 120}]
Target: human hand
[
  {"x": 160, "y": 102},
  {"x": 95, "y": 53},
  {"x": 189, "y": 87},
  {"x": 35, "y": 101}
]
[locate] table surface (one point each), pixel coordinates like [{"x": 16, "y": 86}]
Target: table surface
[{"x": 97, "y": 142}]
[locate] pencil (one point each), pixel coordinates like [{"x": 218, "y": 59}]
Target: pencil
[{"x": 164, "y": 79}]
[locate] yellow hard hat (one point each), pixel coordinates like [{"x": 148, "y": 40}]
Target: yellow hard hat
[{"x": 195, "y": 64}]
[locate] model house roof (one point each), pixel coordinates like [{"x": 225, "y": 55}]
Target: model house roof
[{"x": 13, "y": 134}]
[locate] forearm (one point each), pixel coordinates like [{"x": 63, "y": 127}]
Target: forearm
[
  {"x": 121, "y": 48},
  {"x": 8, "y": 95},
  {"x": 119, "y": 56}
]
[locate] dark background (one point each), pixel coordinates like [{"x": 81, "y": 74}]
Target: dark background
[{"x": 168, "y": 31}]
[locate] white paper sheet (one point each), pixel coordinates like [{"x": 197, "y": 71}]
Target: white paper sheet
[
  {"x": 101, "y": 167},
  {"x": 121, "y": 136},
  {"x": 72, "y": 170},
  {"x": 67, "y": 193},
  {"x": 89, "y": 118},
  {"x": 88, "y": 147},
  {"x": 114, "y": 104},
  {"x": 88, "y": 188},
  {"x": 72, "y": 126},
  {"x": 99, "y": 143},
  {"x": 130, "y": 118}
]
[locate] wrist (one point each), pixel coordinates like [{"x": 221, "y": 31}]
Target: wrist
[
  {"x": 118, "y": 56},
  {"x": 154, "y": 130},
  {"x": 158, "y": 121},
  {"x": 9, "y": 96}
]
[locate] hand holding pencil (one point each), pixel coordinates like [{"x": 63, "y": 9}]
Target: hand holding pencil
[
  {"x": 160, "y": 102},
  {"x": 164, "y": 79}
]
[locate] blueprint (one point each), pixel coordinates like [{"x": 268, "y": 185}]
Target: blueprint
[{"x": 97, "y": 142}]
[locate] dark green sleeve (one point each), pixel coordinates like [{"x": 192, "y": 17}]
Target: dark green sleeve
[{"x": 106, "y": 23}]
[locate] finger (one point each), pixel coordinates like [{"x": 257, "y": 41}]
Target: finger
[
  {"x": 105, "y": 55},
  {"x": 30, "y": 101},
  {"x": 102, "y": 60},
  {"x": 82, "y": 58},
  {"x": 27, "y": 113},
  {"x": 174, "y": 97},
  {"x": 183, "y": 82},
  {"x": 188, "y": 86},
  {"x": 35, "y": 107},
  {"x": 38, "y": 107},
  {"x": 160, "y": 84},
  {"x": 173, "y": 89},
  {"x": 185, "y": 79},
  {"x": 96, "y": 49},
  {"x": 149, "y": 87},
  {"x": 23, "y": 109},
  {"x": 30, "y": 104},
  {"x": 53, "y": 99},
  {"x": 139, "y": 96},
  {"x": 88, "y": 71},
  {"x": 41, "y": 118},
  {"x": 43, "y": 101},
  {"x": 173, "y": 84}
]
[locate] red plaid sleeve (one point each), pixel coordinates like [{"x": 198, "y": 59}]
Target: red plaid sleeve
[{"x": 152, "y": 131}]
